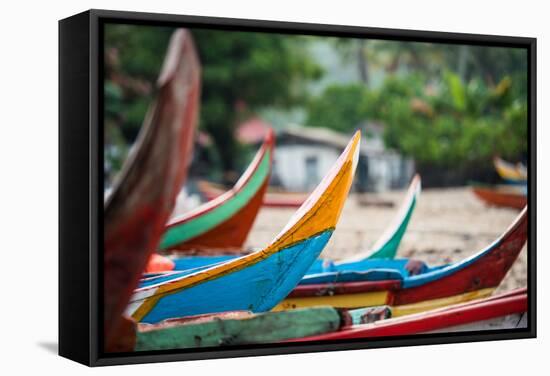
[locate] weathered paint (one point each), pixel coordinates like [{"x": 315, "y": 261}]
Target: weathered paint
[
  {"x": 260, "y": 328},
  {"x": 271, "y": 199},
  {"x": 385, "y": 248},
  {"x": 427, "y": 305},
  {"x": 474, "y": 276},
  {"x": 257, "y": 281},
  {"x": 226, "y": 221},
  {"x": 513, "y": 321},
  {"x": 366, "y": 315},
  {"x": 357, "y": 300},
  {"x": 256, "y": 287},
  {"x": 139, "y": 206},
  {"x": 438, "y": 319}
]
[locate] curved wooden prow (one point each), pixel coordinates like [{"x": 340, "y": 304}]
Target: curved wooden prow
[
  {"x": 260, "y": 280},
  {"x": 224, "y": 223},
  {"x": 386, "y": 246},
  {"x": 144, "y": 194},
  {"x": 485, "y": 269},
  {"x": 509, "y": 171}
]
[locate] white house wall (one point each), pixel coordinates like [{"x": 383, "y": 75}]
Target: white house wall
[{"x": 290, "y": 164}]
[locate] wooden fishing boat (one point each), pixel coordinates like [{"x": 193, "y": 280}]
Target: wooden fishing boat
[
  {"x": 384, "y": 248},
  {"x": 512, "y": 173},
  {"x": 224, "y": 223},
  {"x": 236, "y": 328},
  {"x": 243, "y": 327},
  {"x": 388, "y": 282},
  {"x": 503, "y": 312},
  {"x": 258, "y": 281},
  {"x": 502, "y": 196},
  {"x": 271, "y": 199},
  {"x": 144, "y": 194}
]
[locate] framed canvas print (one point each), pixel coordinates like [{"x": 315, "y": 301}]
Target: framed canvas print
[{"x": 240, "y": 187}]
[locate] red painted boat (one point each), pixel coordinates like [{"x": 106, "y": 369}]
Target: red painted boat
[
  {"x": 476, "y": 315},
  {"x": 145, "y": 192},
  {"x": 271, "y": 199},
  {"x": 507, "y": 197},
  {"x": 222, "y": 225},
  {"x": 474, "y": 277}
]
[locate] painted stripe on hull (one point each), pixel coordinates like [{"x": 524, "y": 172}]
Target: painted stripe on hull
[
  {"x": 179, "y": 233},
  {"x": 368, "y": 299},
  {"x": 514, "y": 321},
  {"x": 427, "y": 305},
  {"x": 256, "y": 288},
  {"x": 264, "y": 328},
  {"x": 447, "y": 317},
  {"x": 378, "y": 298},
  {"x": 260, "y": 280},
  {"x": 227, "y": 236},
  {"x": 385, "y": 247}
]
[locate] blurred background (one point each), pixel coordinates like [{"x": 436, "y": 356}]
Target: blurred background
[{"x": 441, "y": 110}]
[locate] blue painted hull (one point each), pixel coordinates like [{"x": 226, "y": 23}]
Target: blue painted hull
[
  {"x": 368, "y": 270},
  {"x": 318, "y": 266},
  {"x": 258, "y": 287},
  {"x": 325, "y": 271},
  {"x": 365, "y": 270}
]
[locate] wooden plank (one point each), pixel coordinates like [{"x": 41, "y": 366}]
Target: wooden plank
[
  {"x": 514, "y": 321},
  {"x": 473, "y": 277},
  {"x": 447, "y": 317},
  {"x": 262, "y": 328}
]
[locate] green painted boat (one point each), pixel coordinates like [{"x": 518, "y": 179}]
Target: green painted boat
[
  {"x": 244, "y": 327},
  {"x": 223, "y": 224}
]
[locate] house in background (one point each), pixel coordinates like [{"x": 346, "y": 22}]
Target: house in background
[{"x": 303, "y": 155}]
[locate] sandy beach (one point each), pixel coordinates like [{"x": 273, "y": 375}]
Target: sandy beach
[{"x": 447, "y": 225}]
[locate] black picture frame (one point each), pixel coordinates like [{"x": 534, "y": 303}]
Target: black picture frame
[{"x": 81, "y": 199}]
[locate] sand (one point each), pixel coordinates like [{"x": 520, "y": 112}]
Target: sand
[{"x": 447, "y": 225}]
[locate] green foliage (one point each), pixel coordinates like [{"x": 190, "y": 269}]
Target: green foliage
[
  {"x": 442, "y": 124},
  {"x": 339, "y": 108},
  {"x": 241, "y": 74},
  {"x": 244, "y": 72}
]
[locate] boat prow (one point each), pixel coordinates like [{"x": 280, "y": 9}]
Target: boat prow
[
  {"x": 138, "y": 207},
  {"x": 258, "y": 281},
  {"x": 516, "y": 174},
  {"x": 495, "y": 313},
  {"x": 389, "y": 283},
  {"x": 223, "y": 224},
  {"x": 502, "y": 196},
  {"x": 386, "y": 246}
]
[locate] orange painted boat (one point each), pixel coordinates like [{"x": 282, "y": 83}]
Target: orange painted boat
[
  {"x": 145, "y": 191},
  {"x": 502, "y": 196},
  {"x": 222, "y": 225}
]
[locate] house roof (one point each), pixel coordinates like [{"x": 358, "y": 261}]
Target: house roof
[{"x": 316, "y": 135}]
